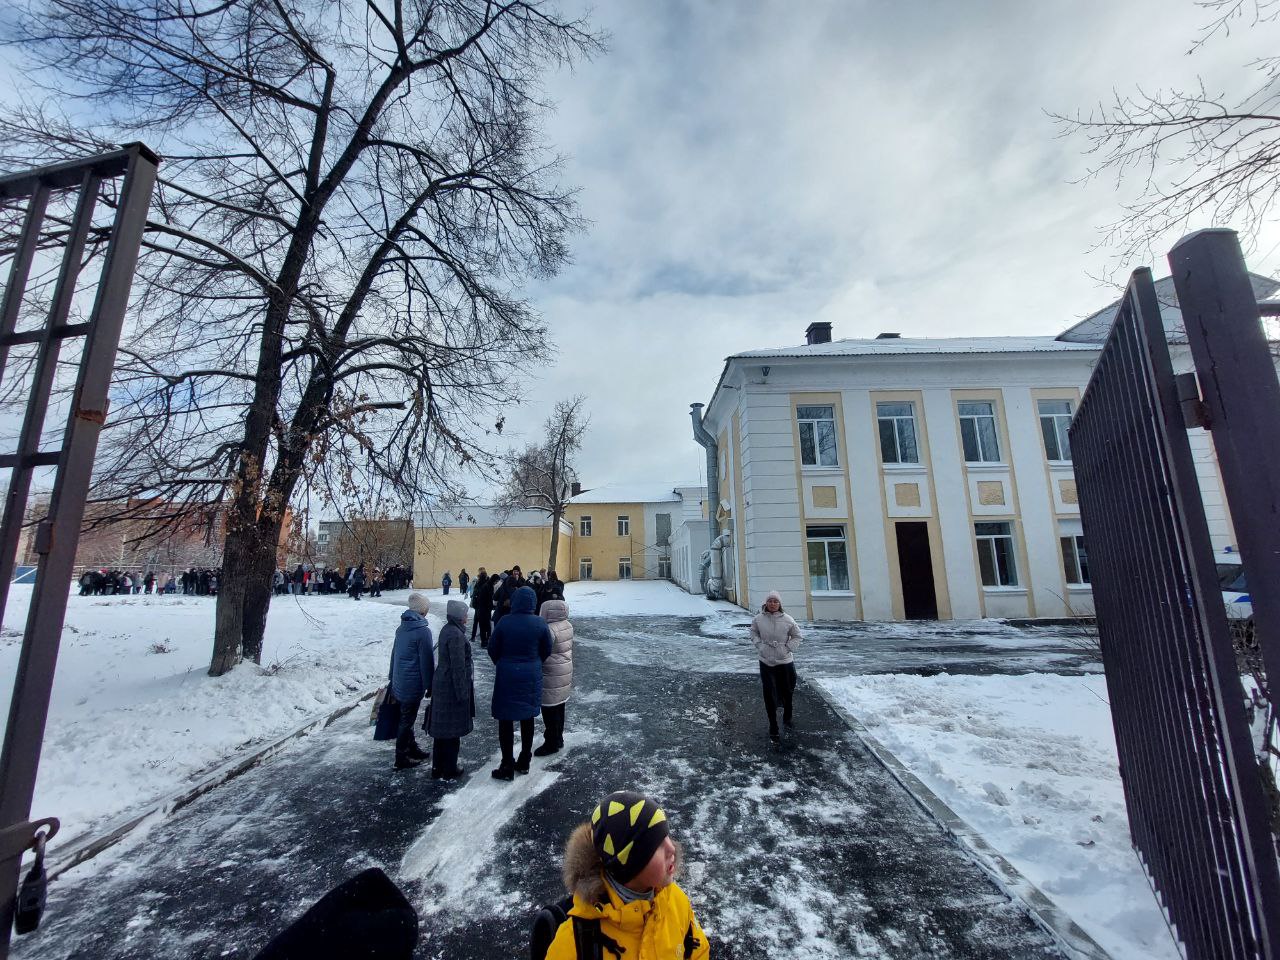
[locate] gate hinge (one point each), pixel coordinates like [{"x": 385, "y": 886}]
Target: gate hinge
[{"x": 1194, "y": 412}]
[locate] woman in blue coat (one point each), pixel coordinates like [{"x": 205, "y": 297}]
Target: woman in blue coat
[
  {"x": 412, "y": 670},
  {"x": 453, "y": 694},
  {"x": 521, "y": 641}
]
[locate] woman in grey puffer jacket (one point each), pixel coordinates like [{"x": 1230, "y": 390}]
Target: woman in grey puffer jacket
[
  {"x": 557, "y": 676},
  {"x": 776, "y": 638}
]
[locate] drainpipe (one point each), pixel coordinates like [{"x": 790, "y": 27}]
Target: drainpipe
[{"x": 715, "y": 583}]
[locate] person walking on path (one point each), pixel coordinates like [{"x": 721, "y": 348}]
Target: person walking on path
[
  {"x": 464, "y": 578},
  {"x": 621, "y": 867},
  {"x": 557, "y": 676},
  {"x": 776, "y": 638},
  {"x": 446, "y": 582},
  {"x": 520, "y": 642},
  {"x": 412, "y": 672},
  {"x": 453, "y": 698}
]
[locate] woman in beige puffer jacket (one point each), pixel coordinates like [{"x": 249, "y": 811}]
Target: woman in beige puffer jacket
[
  {"x": 776, "y": 638},
  {"x": 557, "y": 676}
]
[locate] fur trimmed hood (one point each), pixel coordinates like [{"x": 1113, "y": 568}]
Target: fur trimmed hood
[{"x": 583, "y": 872}]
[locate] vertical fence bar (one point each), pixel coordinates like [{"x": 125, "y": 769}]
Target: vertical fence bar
[{"x": 58, "y": 535}]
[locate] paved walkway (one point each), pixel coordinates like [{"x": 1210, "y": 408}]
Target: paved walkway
[{"x": 808, "y": 850}]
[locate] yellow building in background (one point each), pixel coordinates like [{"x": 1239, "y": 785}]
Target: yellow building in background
[{"x": 607, "y": 533}]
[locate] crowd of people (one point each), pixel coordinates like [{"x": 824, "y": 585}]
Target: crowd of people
[
  {"x": 529, "y": 638},
  {"x": 100, "y": 583},
  {"x": 354, "y": 581}
]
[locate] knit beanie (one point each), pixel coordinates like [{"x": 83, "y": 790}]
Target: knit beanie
[
  {"x": 456, "y": 609},
  {"x": 627, "y": 829},
  {"x": 418, "y": 603}
]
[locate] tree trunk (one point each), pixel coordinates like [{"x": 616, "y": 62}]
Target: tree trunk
[
  {"x": 555, "y": 538},
  {"x": 228, "y": 628}
]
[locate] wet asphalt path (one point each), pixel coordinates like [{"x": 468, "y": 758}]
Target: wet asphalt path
[{"x": 801, "y": 851}]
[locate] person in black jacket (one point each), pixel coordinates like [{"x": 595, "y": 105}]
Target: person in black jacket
[
  {"x": 552, "y": 589},
  {"x": 502, "y": 596},
  {"x": 482, "y": 601}
]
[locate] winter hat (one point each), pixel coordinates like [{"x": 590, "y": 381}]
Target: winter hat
[
  {"x": 419, "y": 603},
  {"x": 553, "y": 611},
  {"x": 456, "y": 610},
  {"x": 627, "y": 829},
  {"x": 772, "y": 595}
]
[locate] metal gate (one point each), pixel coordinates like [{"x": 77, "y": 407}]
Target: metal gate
[
  {"x": 63, "y": 238},
  {"x": 1197, "y": 812}
]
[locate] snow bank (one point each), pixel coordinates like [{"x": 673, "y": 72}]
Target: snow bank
[
  {"x": 1030, "y": 762},
  {"x": 134, "y": 715},
  {"x": 624, "y": 598}
]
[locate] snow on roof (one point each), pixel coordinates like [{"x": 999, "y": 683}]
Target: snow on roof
[
  {"x": 480, "y": 515},
  {"x": 898, "y": 346},
  {"x": 1095, "y": 327},
  {"x": 628, "y": 493}
]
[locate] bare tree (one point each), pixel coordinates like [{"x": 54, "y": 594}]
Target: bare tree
[
  {"x": 351, "y": 193},
  {"x": 541, "y": 475},
  {"x": 1191, "y": 156}
]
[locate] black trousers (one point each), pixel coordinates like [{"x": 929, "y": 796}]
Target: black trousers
[
  {"x": 404, "y": 734},
  {"x": 507, "y": 739},
  {"x": 444, "y": 755},
  {"x": 553, "y": 724},
  {"x": 778, "y": 683},
  {"x": 484, "y": 620}
]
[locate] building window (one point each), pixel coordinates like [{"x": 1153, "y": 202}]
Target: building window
[
  {"x": 817, "y": 436},
  {"x": 995, "y": 555},
  {"x": 664, "y": 568},
  {"x": 1075, "y": 560},
  {"x": 322, "y": 537},
  {"x": 898, "y": 432},
  {"x": 624, "y": 568},
  {"x": 584, "y": 568},
  {"x": 978, "y": 431},
  {"x": 1055, "y": 418},
  {"x": 828, "y": 559},
  {"x": 584, "y": 526},
  {"x": 624, "y": 526}
]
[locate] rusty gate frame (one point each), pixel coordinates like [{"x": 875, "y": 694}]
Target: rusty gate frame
[{"x": 57, "y": 536}]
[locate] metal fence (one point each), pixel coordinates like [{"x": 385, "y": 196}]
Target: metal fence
[
  {"x": 66, "y": 238},
  {"x": 1196, "y": 808}
]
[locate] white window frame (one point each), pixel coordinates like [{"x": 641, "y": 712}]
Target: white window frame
[
  {"x": 985, "y": 455},
  {"x": 624, "y": 525},
  {"x": 584, "y": 526},
  {"x": 814, "y": 426},
  {"x": 814, "y": 534},
  {"x": 895, "y": 422},
  {"x": 988, "y": 544},
  {"x": 624, "y": 568},
  {"x": 1071, "y": 546},
  {"x": 1056, "y": 424},
  {"x": 585, "y": 571},
  {"x": 664, "y": 568}
]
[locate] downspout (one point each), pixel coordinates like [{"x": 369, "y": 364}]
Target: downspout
[{"x": 715, "y": 582}]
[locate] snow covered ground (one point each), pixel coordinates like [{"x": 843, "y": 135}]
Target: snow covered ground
[
  {"x": 135, "y": 716},
  {"x": 1030, "y": 762}
]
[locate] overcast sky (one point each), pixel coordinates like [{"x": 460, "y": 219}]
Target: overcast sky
[{"x": 749, "y": 168}]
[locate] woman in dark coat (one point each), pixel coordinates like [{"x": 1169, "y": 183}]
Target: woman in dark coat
[
  {"x": 453, "y": 699},
  {"x": 482, "y": 600},
  {"x": 412, "y": 667},
  {"x": 520, "y": 642}
]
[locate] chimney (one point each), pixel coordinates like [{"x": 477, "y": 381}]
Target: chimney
[
  {"x": 818, "y": 333},
  {"x": 575, "y": 488},
  {"x": 888, "y": 336}
]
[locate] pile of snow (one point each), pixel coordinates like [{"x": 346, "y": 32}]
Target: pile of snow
[
  {"x": 1030, "y": 762},
  {"x": 135, "y": 716},
  {"x": 656, "y": 598}
]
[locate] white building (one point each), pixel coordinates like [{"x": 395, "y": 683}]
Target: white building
[
  {"x": 690, "y": 537},
  {"x": 897, "y": 478}
]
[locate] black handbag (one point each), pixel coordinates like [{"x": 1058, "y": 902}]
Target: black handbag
[{"x": 387, "y": 724}]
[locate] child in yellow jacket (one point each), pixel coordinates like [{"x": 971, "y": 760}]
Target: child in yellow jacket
[{"x": 620, "y": 868}]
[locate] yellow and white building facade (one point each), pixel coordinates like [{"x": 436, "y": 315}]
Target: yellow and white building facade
[{"x": 900, "y": 479}]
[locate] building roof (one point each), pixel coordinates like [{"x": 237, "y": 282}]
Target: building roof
[
  {"x": 892, "y": 346},
  {"x": 1095, "y": 327},
  {"x": 480, "y": 515},
  {"x": 628, "y": 493}
]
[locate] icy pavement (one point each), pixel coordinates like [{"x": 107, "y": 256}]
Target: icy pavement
[{"x": 808, "y": 851}]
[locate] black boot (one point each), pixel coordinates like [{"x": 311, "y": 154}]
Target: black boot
[
  {"x": 405, "y": 761},
  {"x": 505, "y": 771},
  {"x": 546, "y": 749},
  {"x": 415, "y": 752},
  {"x": 522, "y": 763}
]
